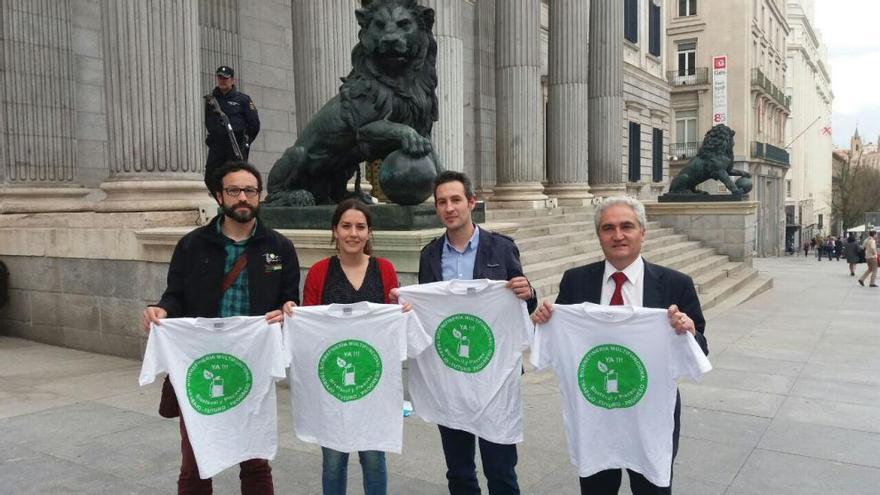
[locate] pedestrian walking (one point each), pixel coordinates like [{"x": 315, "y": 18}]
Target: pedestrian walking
[
  {"x": 853, "y": 251},
  {"x": 870, "y": 247},
  {"x": 838, "y": 247}
]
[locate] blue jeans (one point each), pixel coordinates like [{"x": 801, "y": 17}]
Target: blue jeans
[
  {"x": 334, "y": 476},
  {"x": 499, "y": 464}
]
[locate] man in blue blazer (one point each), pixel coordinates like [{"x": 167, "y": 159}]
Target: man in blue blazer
[
  {"x": 620, "y": 225},
  {"x": 466, "y": 251}
]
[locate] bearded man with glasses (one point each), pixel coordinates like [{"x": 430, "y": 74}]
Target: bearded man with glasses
[{"x": 234, "y": 266}]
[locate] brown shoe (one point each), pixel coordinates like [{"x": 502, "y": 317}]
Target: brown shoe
[{"x": 861, "y": 282}]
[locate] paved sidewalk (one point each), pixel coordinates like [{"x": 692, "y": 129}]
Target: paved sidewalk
[{"x": 792, "y": 407}]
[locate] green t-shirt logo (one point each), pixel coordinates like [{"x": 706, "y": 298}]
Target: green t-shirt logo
[
  {"x": 349, "y": 370},
  {"x": 464, "y": 343},
  {"x": 612, "y": 376},
  {"x": 217, "y": 382}
]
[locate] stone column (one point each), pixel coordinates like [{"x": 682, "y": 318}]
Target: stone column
[
  {"x": 154, "y": 108},
  {"x": 324, "y": 32},
  {"x": 567, "y": 119},
  {"x": 219, "y": 41},
  {"x": 606, "y": 98},
  {"x": 37, "y": 119},
  {"x": 448, "y": 133},
  {"x": 519, "y": 145}
]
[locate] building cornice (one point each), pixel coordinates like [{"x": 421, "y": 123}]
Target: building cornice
[
  {"x": 689, "y": 28},
  {"x": 807, "y": 24},
  {"x": 783, "y": 22}
]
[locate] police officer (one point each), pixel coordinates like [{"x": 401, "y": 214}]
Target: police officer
[{"x": 242, "y": 114}]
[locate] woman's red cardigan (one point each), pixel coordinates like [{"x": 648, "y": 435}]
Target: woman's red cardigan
[{"x": 313, "y": 289}]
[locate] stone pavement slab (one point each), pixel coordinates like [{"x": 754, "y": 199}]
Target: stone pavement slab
[
  {"x": 767, "y": 472},
  {"x": 791, "y": 408},
  {"x": 822, "y": 442}
]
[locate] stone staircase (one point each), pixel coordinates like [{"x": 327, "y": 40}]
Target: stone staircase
[{"x": 553, "y": 240}]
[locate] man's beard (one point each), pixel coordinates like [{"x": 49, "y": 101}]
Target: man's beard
[{"x": 239, "y": 216}]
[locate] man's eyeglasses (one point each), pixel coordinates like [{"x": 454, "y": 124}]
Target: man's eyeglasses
[{"x": 234, "y": 192}]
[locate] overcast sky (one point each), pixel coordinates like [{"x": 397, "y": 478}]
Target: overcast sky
[{"x": 851, "y": 30}]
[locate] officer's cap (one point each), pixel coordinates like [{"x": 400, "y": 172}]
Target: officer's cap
[{"x": 225, "y": 71}]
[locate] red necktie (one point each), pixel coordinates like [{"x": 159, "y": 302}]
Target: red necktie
[{"x": 617, "y": 298}]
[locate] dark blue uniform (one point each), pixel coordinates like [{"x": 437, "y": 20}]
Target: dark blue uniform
[{"x": 245, "y": 124}]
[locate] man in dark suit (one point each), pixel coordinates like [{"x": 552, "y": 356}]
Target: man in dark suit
[
  {"x": 625, "y": 278},
  {"x": 469, "y": 252}
]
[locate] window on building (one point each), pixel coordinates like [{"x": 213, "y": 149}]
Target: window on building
[
  {"x": 657, "y": 156},
  {"x": 654, "y": 28},
  {"x": 631, "y": 20},
  {"x": 821, "y": 224},
  {"x": 788, "y": 188},
  {"x": 635, "y": 152},
  {"x": 686, "y": 127},
  {"x": 687, "y": 58},
  {"x": 687, "y": 7}
]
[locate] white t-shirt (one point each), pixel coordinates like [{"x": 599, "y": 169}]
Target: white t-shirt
[
  {"x": 345, "y": 373},
  {"x": 617, "y": 368},
  {"x": 470, "y": 379},
  {"x": 224, "y": 372}
]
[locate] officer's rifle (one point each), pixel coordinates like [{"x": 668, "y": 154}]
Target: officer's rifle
[{"x": 215, "y": 105}]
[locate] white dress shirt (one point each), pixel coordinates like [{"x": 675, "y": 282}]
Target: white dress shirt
[{"x": 634, "y": 287}]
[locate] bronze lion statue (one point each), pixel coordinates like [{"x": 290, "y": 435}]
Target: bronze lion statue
[
  {"x": 387, "y": 102},
  {"x": 714, "y": 160}
]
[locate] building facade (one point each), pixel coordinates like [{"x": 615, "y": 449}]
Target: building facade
[
  {"x": 110, "y": 118},
  {"x": 808, "y": 182},
  {"x": 751, "y": 35},
  {"x": 102, "y": 141}
]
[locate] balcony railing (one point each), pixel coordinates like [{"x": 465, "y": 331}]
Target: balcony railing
[
  {"x": 763, "y": 82},
  {"x": 769, "y": 152},
  {"x": 683, "y": 151},
  {"x": 682, "y": 78}
]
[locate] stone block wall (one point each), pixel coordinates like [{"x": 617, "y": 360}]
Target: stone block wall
[
  {"x": 82, "y": 279},
  {"x": 729, "y": 228},
  {"x": 92, "y": 305}
]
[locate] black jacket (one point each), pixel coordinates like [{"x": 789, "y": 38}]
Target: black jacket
[
  {"x": 497, "y": 259},
  {"x": 197, "y": 269},
  {"x": 242, "y": 115},
  {"x": 663, "y": 288}
]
